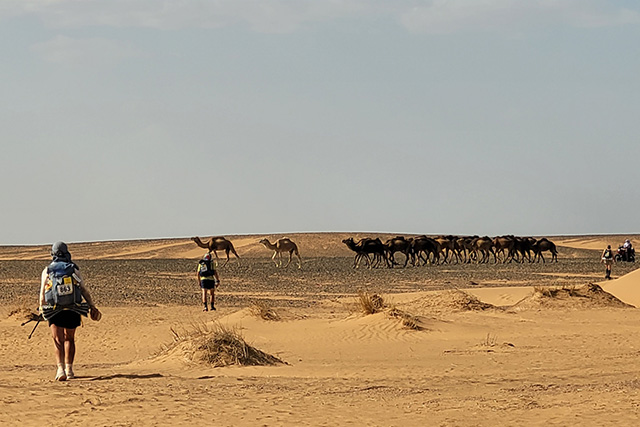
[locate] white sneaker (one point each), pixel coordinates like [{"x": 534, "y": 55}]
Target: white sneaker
[
  {"x": 61, "y": 375},
  {"x": 69, "y": 372}
]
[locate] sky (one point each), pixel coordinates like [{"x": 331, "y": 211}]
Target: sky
[{"x": 143, "y": 119}]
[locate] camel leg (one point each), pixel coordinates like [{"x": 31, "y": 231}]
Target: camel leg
[
  {"x": 236, "y": 254},
  {"x": 273, "y": 258},
  {"x": 299, "y": 260},
  {"x": 290, "y": 256}
]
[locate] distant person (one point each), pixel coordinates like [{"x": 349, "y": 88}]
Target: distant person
[
  {"x": 208, "y": 279},
  {"x": 627, "y": 246},
  {"x": 607, "y": 260},
  {"x": 62, "y": 291}
]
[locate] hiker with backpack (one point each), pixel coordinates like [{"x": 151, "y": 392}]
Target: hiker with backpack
[
  {"x": 607, "y": 260},
  {"x": 64, "y": 298},
  {"x": 208, "y": 279}
]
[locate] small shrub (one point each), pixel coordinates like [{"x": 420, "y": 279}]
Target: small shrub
[
  {"x": 262, "y": 310},
  {"x": 218, "y": 346},
  {"x": 408, "y": 321},
  {"x": 489, "y": 341},
  {"x": 370, "y": 304}
]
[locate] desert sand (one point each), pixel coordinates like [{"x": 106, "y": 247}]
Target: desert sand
[{"x": 509, "y": 345}]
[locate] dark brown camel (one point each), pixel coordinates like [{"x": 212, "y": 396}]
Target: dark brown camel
[
  {"x": 215, "y": 244},
  {"x": 364, "y": 248},
  {"x": 282, "y": 246},
  {"x": 397, "y": 244},
  {"x": 543, "y": 245},
  {"x": 421, "y": 249}
]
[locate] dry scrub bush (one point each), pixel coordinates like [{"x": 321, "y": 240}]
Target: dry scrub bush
[
  {"x": 408, "y": 321},
  {"x": 370, "y": 304},
  {"x": 219, "y": 345},
  {"x": 262, "y": 310},
  {"x": 554, "y": 292},
  {"x": 489, "y": 341}
]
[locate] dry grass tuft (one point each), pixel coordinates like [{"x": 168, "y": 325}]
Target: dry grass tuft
[
  {"x": 264, "y": 311},
  {"x": 218, "y": 346},
  {"x": 409, "y": 321},
  {"x": 370, "y": 303},
  {"x": 556, "y": 292},
  {"x": 489, "y": 341}
]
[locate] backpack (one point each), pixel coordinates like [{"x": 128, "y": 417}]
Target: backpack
[
  {"x": 62, "y": 288},
  {"x": 206, "y": 268},
  {"x": 607, "y": 254}
]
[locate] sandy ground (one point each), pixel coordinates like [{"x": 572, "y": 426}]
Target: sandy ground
[{"x": 522, "y": 358}]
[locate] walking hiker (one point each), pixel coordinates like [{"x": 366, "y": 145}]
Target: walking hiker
[
  {"x": 62, "y": 292},
  {"x": 208, "y": 279},
  {"x": 607, "y": 259}
]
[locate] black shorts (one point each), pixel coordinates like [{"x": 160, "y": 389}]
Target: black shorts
[
  {"x": 207, "y": 284},
  {"x": 66, "y": 319}
]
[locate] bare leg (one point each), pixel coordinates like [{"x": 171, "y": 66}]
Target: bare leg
[
  {"x": 69, "y": 346},
  {"x": 204, "y": 298},
  {"x": 59, "y": 343},
  {"x": 58, "y": 335},
  {"x": 213, "y": 298}
]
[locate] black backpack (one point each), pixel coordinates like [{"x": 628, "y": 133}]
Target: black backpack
[{"x": 206, "y": 268}]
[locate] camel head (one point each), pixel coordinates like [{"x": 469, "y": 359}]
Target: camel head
[{"x": 264, "y": 242}]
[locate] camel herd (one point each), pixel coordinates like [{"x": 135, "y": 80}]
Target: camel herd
[
  {"x": 418, "y": 250},
  {"x": 421, "y": 250}
]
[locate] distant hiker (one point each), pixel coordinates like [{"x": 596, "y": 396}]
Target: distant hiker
[
  {"x": 607, "y": 259},
  {"x": 62, "y": 291},
  {"x": 208, "y": 279}
]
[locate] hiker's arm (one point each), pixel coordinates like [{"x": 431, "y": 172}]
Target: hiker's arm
[
  {"x": 83, "y": 288},
  {"x": 43, "y": 280}
]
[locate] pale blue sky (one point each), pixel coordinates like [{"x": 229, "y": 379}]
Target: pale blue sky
[{"x": 145, "y": 118}]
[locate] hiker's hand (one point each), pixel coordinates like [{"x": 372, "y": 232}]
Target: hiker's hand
[{"x": 95, "y": 314}]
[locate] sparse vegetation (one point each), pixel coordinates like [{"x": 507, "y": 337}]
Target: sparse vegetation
[
  {"x": 409, "y": 321},
  {"x": 556, "y": 291},
  {"x": 218, "y": 346},
  {"x": 490, "y": 340},
  {"x": 264, "y": 311},
  {"x": 370, "y": 303}
]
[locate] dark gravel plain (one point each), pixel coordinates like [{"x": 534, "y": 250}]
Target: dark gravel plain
[{"x": 152, "y": 282}]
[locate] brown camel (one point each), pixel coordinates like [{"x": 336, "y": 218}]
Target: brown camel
[
  {"x": 542, "y": 245},
  {"x": 215, "y": 244},
  {"x": 505, "y": 246},
  {"x": 281, "y": 246},
  {"x": 484, "y": 245},
  {"x": 397, "y": 244},
  {"x": 366, "y": 247}
]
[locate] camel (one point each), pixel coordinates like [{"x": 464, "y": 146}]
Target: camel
[
  {"x": 281, "y": 246},
  {"x": 427, "y": 246},
  {"x": 542, "y": 245},
  {"x": 398, "y": 244},
  {"x": 523, "y": 247},
  {"x": 447, "y": 246},
  {"x": 502, "y": 244},
  {"x": 366, "y": 247},
  {"x": 216, "y": 244},
  {"x": 484, "y": 245}
]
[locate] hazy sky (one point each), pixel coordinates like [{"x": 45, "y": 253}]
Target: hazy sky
[{"x": 125, "y": 119}]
